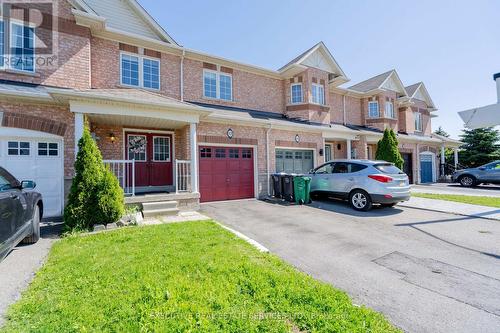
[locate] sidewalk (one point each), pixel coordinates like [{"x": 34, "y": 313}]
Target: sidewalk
[{"x": 451, "y": 207}]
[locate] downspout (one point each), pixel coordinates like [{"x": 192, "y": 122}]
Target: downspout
[
  {"x": 182, "y": 75},
  {"x": 268, "y": 162},
  {"x": 343, "y": 106}
]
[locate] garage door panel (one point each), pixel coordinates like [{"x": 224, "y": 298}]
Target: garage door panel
[
  {"x": 43, "y": 163},
  {"x": 227, "y": 175}
]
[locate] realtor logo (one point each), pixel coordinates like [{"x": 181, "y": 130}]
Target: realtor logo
[{"x": 26, "y": 34}]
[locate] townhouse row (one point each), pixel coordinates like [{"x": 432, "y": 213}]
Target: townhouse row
[{"x": 171, "y": 119}]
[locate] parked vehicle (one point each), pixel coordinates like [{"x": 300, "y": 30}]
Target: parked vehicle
[
  {"x": 21, "y": 210},
  {"x": 361, "y": 182},
  {"x": 485, "y": 174}
]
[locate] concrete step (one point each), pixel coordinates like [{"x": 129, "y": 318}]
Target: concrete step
[
  {"x": 147, "y": 206},
  {"x": 160, "y": 212}
]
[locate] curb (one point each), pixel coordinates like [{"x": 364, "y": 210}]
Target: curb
[
  {"x": 252, "y": 242},
  {"x": 452, "y": 213}
]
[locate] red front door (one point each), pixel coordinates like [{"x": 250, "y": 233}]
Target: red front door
[
  {"x": 226, "y": 173},
  {"x": 153, "y": 158}
]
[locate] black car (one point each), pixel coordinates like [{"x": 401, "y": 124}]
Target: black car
[{"x": 20, "y": 212}]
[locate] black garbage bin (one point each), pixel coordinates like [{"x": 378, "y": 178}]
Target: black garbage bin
[
  {"x": 287, "y": 187},
  {"x": 277, "y": 185}
]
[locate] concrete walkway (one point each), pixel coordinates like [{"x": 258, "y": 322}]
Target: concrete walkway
[{"x": 451, "y": 207}]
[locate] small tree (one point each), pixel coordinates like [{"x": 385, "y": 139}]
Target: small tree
[
  {"x": 480, "y": 146},
  {"x": 387, "y": 149},
  {"x": 110, "y": 198},
  {"x": 92, "y": 187}
]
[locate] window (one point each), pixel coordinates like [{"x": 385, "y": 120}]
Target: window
[
  {"x": 22, "y": 47},
  {"x": 246, "y": 153},
  {"x": 388, "y": 168},
  {"x": 217, "y": 85},
  {"x": 318, "y": 94},
  {"x": 234, "y": 153},
  {"x": 206, "y": 152},
  {"x": 151, "y": 73},
  {"x": 373, "y": 111},
  {"x": 389, "y": 110},
  {"x": 325, "y": 169},
  {"x": 138, "y": 71},
  {"x": 220, "y": 153},
  {"x": 225, "y": 87},
  {"x": 296, "y": 93},
  {"x": 418, "y": 121},
  {"x": 48, "y": 149},
  {"x": 18, "y": 148},
  {"x": 161, "y": 149},
  {"x": 328, "y": 152},
  {"x": 137, "y": 147},
  {"x": 130, "y": 70}
]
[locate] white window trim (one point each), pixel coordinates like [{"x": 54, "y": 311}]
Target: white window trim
[
  {"x": 217, "y": 84},
  {"x": 378, "y": 109},
  {"x": 169, "y": 150},
  {"x": 7, "y": 48},
  {"x": 30, "y": 149},
  {"x": 323, "y": 102},
  {"x": 301, "y": 93},
  {"x": 48, "y": 150},
  {"x": 141, "y": 70},
  {"x": 387, "y": 114},
  {"x": 418, "y": 116},
  {"x": 2, "y": 67}
]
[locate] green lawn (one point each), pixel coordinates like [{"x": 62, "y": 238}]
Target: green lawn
[
  {"x": 186, "y": 277},
  {"x": 469, "y": 199}
]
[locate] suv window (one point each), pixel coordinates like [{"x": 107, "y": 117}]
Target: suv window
[
  {"x": 493, "y": 166},
  {"x": 388, "y": 168},
  {"x": 7, "y": 181},
  {"x": 324, "y": 169},
  {"x": 344, "y": 167}
]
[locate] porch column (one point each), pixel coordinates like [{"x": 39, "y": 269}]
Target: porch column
[
  {"x": 443, "y": 161},
  {"x": 79, "y": 125},
  {"x": 194, "y": 157},
  {"x": 349, "y": 148},
  {"x": 455, "y": 156}
]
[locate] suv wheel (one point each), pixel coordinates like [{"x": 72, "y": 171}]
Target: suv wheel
[
  {"x": 360, "y": 200},
  {"x": 35, "y": 234},
  {"x": 467, "y": 181}
]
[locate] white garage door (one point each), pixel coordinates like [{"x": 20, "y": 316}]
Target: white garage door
[{"x": 37, "y": 156}]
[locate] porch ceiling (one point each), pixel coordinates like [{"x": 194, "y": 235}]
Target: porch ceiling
[{"x": 135, "y": 121}]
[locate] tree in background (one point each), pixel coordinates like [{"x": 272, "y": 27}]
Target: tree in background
[
  {"x": 92, "y": 186},
  {"x": 387, "y": 149},
  {"x": 481, "y": 146}
]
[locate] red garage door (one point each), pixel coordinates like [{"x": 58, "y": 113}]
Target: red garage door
[{"x": 226, "y": 173}]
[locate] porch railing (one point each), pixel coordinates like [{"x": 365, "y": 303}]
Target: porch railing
[
  {"x": 124, "y": 170},
  {"x": 183, "y": 176}
]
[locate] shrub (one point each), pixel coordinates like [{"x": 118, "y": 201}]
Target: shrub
[
  {"x": 387, "y": 149},
  {"x": 92, "y": 187},
  {"x": 110, "y": 198}
]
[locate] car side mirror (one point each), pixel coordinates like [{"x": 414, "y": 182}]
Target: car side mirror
[
  {"x": 482, "y": 168},
  {"x": 311, "y": 171},
  {"x": 28, "y": 184}
]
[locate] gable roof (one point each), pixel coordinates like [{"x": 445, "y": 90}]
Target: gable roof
[
  {"x": 124, "y": 15},
  {"x": 419, "y": 91},
  {"x": 317, "y": 56},
  {"x": 389, "y": 81}
]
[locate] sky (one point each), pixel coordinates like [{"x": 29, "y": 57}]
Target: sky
[{"x": 452, "y": 46}]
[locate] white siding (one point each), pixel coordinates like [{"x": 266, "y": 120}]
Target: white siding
[{"x": 120, "y": 15}]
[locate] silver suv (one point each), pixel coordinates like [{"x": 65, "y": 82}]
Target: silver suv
[
  {"x": 362, "y": 182},
  {"x": 488, "y": 173}
]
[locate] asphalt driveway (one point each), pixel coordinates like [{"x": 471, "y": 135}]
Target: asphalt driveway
[
  {"x": 19, "y": 267},
  {"x": 426, "y": 271}
]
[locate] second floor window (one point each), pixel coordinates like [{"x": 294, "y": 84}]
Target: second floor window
[
  {"x": 22, "y": 48},
  {"x": 2, "y": 49},
  {"x": 296, "y": 93},
  {"x": 389, "y": 110},
  {"x": 217, "y": 85},
  {"x": 373, "y": 111},
  {"x": 318, "y": 94},
  {"x": 138, "y": 71},
  {"x": 418, "y": 121}
]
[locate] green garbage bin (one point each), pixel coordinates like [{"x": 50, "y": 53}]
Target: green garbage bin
[{"x": 301, "y": 189}]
